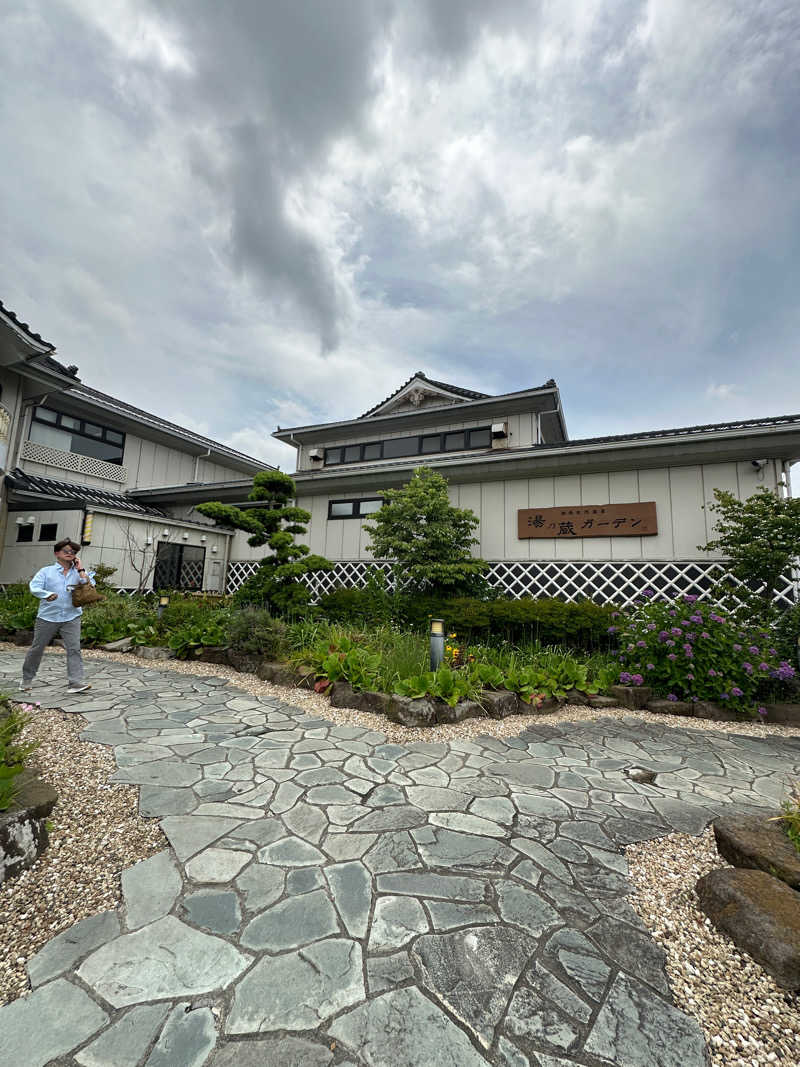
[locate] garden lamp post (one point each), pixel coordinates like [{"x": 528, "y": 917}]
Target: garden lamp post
[
  {"x": 437, "y": 642},
  {"x": 162, "y": 603}
]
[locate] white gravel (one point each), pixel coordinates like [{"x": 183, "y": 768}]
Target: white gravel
[
  {"x": 747, "y": 1019},
  {"x": 97, "y": 833}
]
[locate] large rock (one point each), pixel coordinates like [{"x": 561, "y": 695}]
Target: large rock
[
  {"x": 500, "y": 703},
  {"x": 153, "y": 652},
  {"x": 632, "y": 696},
  {"x": 759, "y": 843},
  {"x": 342, "y": 695},
  {"x": 760, "y": 914},
  {"x": 23, "y": 827},
  {"x": 671, "y": 707},
  {"x": 410, "y": 712}
]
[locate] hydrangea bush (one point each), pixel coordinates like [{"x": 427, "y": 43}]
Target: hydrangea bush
[{"x": 691, "y": 651}]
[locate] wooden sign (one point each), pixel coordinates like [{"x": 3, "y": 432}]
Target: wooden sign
[{"x": 589, "y": 520}]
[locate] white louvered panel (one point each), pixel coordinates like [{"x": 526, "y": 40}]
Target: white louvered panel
[{"x": 72, "y": 461}]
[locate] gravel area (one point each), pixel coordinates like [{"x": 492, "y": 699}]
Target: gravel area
[
  {"x": 510, "y": 727},
  {"x": 98, "y": 833},
  {"x": 746, "y": 1018}
]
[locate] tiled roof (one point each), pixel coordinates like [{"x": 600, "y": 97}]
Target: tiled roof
[
  {"x": 83, "y": 494},
  {"x": 46, "y": 359},
  {"x": 468, "y": 394},
  {"x": 710, "y": 427}
]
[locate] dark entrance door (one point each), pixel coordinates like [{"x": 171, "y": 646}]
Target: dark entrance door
[{"x": 179, "y": 567}]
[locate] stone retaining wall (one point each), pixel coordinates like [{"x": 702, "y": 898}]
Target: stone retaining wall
[{"x": 23, "y": 828}]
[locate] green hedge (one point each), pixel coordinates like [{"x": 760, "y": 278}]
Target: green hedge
[{"x": 551, "y": 622}]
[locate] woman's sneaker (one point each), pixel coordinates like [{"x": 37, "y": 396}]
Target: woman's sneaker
[{"x": 78, "y": 688}]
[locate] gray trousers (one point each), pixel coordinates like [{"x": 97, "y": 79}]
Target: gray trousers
[{"x": 43, "y": 632}]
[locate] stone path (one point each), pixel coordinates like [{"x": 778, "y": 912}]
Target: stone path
[{"x": 333, "y": 899}]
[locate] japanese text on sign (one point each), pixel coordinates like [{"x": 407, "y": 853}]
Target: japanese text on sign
[{"x": 589, "y": 520}]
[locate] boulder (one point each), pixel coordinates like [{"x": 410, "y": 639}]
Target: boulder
[
  {"x": 410, "y": 712},
  {"x": 576, "y": 698},
  {"x": 213, "y": 654},
  {"x": 500, "y": 703},
  {"x": 704, "y": 709},
  {"x": 600, "y": 701},
  {"x": 760, "y": 914},
  {"x": 632, "y": 696},
  {"x": 784, "y": 714},
  {"x": 123, "y": 645},
  {"x": 23, "y": 637},
  {"x": 342, "y": 695},
  {"x": 671, "y": 707},
  {"x": 23, "y": 827},
  {"x": 152, "y": 652},
  {"x": 756, "y": 842}
]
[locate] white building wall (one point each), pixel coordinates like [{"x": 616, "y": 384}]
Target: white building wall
[
  {"x": 20, "y": 561},
  {"x": 679, "y": 494}
]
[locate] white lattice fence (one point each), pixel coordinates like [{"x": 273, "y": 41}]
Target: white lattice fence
[
  {"x": 617, "y": 581},
  {"x": 73, "y": 461}
]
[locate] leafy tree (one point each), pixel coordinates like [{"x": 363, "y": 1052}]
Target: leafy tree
[
  {"x": 428, "y": 538},
  {"x": 277, "y": 582},
  {"x": 760, "y": 537}
]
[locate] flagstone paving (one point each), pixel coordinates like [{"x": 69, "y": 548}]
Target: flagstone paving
[{"x": 333, "y": 899}]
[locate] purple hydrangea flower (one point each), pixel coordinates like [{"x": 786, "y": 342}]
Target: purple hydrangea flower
[
  {"x": 673, "y": 613},
  {"x": 636, "y": 679},
  {"x": 712, "y": 673},
  {"x": 716, "y": 618},
  {"x": 612, "y": 629},
  {"x": 698, "y": 618},
  {"x": 737, "y": 648},
  {"x": 670, "y": 643},
  {"x": 641, "y": 644},
  {"x": 685, "y": 622},
  {"x": 663, "y": 635},
  {"x": 747, "y": 667},
  {"x": 651, "y": 666},
  {"x": 705, "y": 634},
  {"x": 650, "y": 626},
  {"x": 753, "y": 650},
  {"x": 672, "y": 697},
  {"x": 772, "y": 652},
  {"x": 690, "y": 677},
  {"x": 724, "y": 696},
  {"x": 763, "y": 666},
  {"x": 762, "y": 712},
  {"x": 689, "y": 598},
  {"x": 624, "y": 678},
  {"x": 736, "y": 691},
  {"x": 672, "y": 656},
  {"x": 648, "y": 592},
  {"x": 615, "y": 614},
  {"x": 676, "y": 630}
]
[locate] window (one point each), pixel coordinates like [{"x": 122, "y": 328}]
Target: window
[
  {"x": 25, "y": 533},
  {"x": 71, "y": 434},
  {"x": 353, "y": 509},
  {"x": 398, "y": 447},
  {"x": 48, "y": 531}
]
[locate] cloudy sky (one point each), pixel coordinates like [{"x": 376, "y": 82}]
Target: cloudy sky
[{"x": 239, "y": 215}]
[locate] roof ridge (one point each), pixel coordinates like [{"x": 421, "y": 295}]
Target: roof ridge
[{"x": 469, "y": 393}]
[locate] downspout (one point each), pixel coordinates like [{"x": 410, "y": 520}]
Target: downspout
[
  {"x": 555, "y": 411},
  {"x": 197, "y": 459},
  {"x": 31, "y": 402}
]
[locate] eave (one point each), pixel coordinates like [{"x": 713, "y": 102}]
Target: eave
[
  {"x": 740, "y": 445},
  {"x": 230, "y": 492},
  {"x": 537, "y": 400}
]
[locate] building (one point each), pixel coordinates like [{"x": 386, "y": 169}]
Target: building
[
  {"x": 603, "y": 517},
  {"x": 75, "y": 462}
]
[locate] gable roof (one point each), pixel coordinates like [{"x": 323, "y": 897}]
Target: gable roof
[
  {"x": 50, "y": 489},
  {"x": 35, "y": 351},
  {"x": 456, "y": 391}
]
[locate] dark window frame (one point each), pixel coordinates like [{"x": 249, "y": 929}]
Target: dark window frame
[
  {"x": 105, "y": 437},
  {"x": 328, "y": 461},
  {"x": 26, "y": 529},
  {"x": 355, "y": 502},
  {"x": 44, "y": 531}
]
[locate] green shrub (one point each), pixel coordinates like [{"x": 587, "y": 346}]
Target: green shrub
[
  {"x": 13, "y": 753},
  {"x": 444, "y": 684},
  {"x": 18, "y": 607},
  {"x": 253, "y": 632},
  {"x": 583, "y": 625},
  {"x": 787, "y": 633},
  {"x": 114, "y": 618},
  {"x": 191, "y": 638},
  {"x": 691, "y": 651}
]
